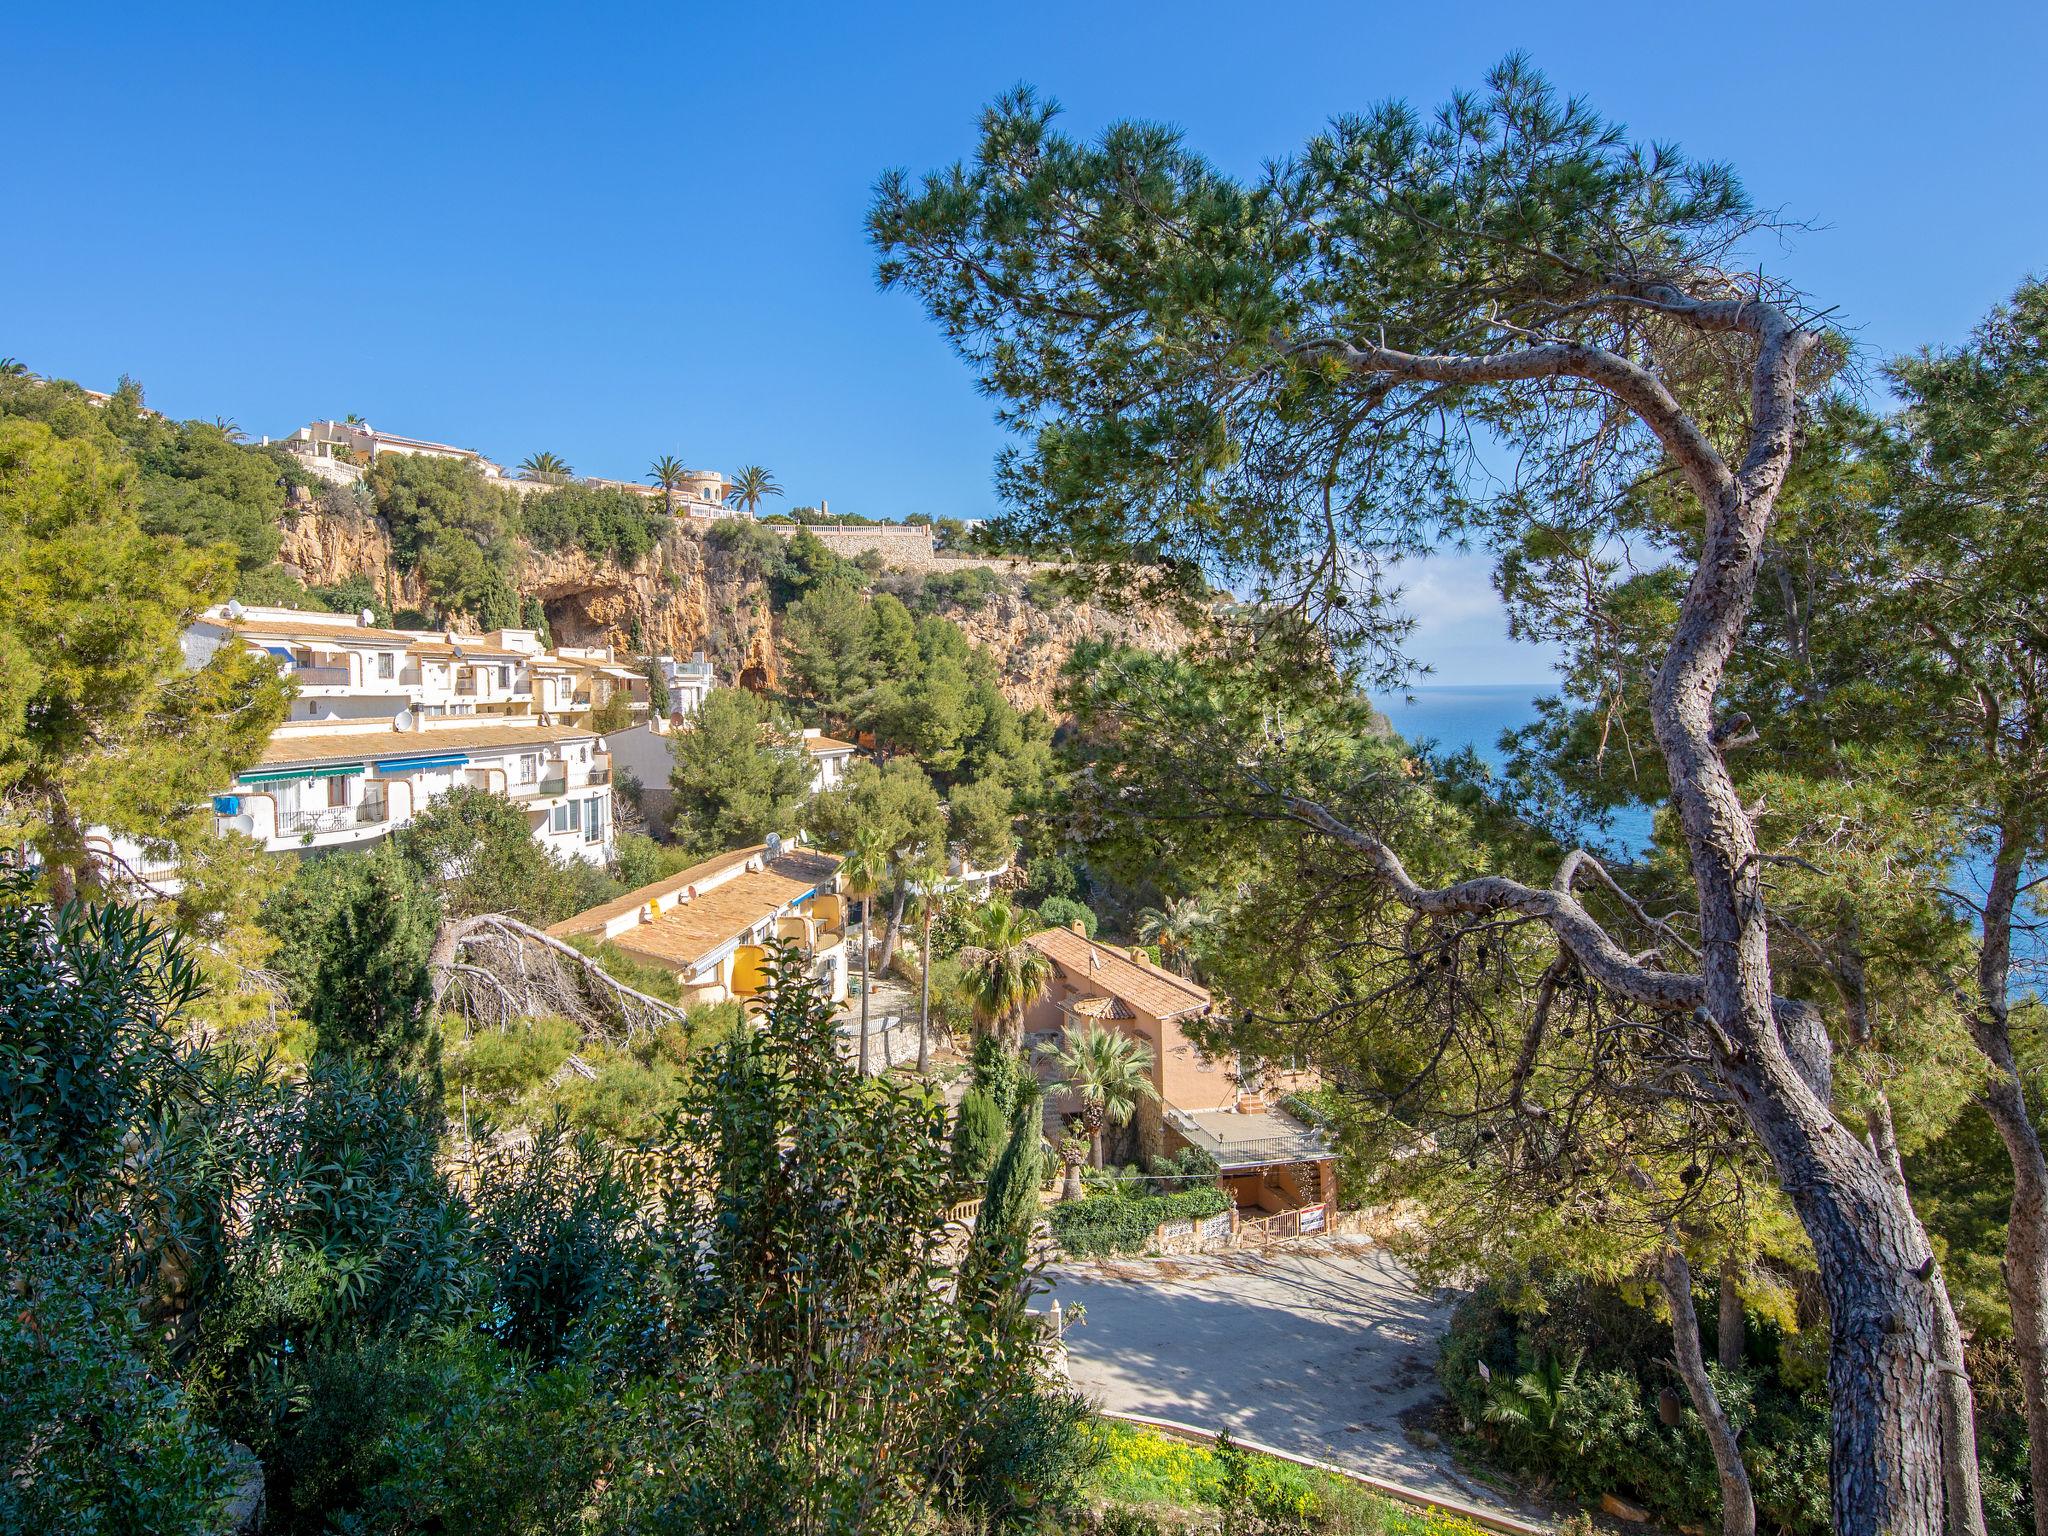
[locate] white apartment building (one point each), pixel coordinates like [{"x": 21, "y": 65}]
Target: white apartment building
[
  {"x": 342, "y": 451},
  {"x": 385, "y": 720}
]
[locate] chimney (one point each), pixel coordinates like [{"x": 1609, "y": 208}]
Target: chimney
[{"x": 1079, "y": 927}]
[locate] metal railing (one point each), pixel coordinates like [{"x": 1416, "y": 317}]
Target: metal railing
[
  {"x": 321, "y": 677},
  {"x": 333, "y": 818}
]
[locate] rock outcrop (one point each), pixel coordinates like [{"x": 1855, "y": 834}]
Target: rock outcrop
[{"x": 687, "y": 595}]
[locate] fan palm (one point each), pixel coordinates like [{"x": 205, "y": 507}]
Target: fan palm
[
  {"x": 1109, "y": 1072},
  {"x": 1001, "y": 973},
  {"x": 751, "y": 485},
  {"x": 668, "y": 473},
  {"x": 861, "y": 874},
  {"x": 1180, "y": 930},
  {"x": 549, "y": 467}
]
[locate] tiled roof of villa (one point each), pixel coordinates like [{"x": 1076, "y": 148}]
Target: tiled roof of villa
[
  {"x": 827, "y": 746},
  {"x": 344, "y": 746},
  {"x": 692, "y": 930},
  {"x": 1120, "y": 974},
  {"x": 594, "y": 918},
  {"x": 349, "y": 633}
]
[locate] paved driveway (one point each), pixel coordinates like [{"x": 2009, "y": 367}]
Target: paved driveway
[{"x": 1316, "y": 1350}]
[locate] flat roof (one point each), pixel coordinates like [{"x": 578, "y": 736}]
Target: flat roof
[
  {"x": 827, "y": 746},
  {"x": 334, "y": 746}
]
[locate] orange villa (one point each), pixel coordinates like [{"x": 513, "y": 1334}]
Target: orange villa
[{"x": 1271, "y": 1162}]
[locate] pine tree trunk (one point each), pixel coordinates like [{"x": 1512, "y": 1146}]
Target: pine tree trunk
[
  {"x": 1738, "y": 1505},
  {"x": 1885, "y": 1462},
  {"x": 2004, "y": 1099},
  {"x": 1729, "y": 1341}
]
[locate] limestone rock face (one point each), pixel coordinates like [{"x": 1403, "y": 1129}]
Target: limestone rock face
[{"x": 687, "y": 595}]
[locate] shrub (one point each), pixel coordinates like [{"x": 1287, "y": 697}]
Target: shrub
[
  {"x": 108, "y": 1444},
  {"x": 1186, "y": 1169},
  {"x": 496, "y": 1068},
  {"x": 998, "y": 1072},
  {"x": 1112, "y": 1222},
  {"x": 1064, "y": 912},
  {"x": 979, "y": 1132}
]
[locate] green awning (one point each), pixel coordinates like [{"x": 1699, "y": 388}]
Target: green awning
[{"x": 286, "y": 775}]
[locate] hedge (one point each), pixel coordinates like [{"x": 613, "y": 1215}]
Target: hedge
[{"x": 1118, "y": 1223}]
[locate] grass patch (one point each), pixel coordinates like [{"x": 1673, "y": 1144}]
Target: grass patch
[{"x": 1150, "y": 1474}]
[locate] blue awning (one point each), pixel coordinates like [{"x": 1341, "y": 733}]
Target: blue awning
[
  {"x": 280, "y": 650},
  {"x": 407, "y": 764}
]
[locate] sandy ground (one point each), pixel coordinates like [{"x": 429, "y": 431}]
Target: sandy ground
[{"x": 1319, "y": 1349}]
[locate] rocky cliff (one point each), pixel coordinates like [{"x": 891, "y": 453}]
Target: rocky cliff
[{"x": 685, "y": 595}]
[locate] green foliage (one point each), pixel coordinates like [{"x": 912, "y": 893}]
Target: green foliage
[
  {"x": 101, "y": 723},
  {"x": 819, "y": 1193},
  {"x": 272, "y": 586},
  {"x": 1111, "y": 1220},
  {"x": 638, "y": 860},
  {"x": 476, "y": 849},
  {"x": 997, "y": 1249},
  {"x": 204, "y": 489},
  {"x": 737, "y": 777},
  {"x": 92, "y": 1437},
  {"x": 999, "y": 1072},
  {"x": 456, "y": 529},
  {"x": 1001, "y": 974},
  {"x": 1064, "y": 912},
  {"x": 1569, "y": 1396},
  {"x": 494, "y": 1070},
  {"x": 604, "y": 521},
  {"x": 357, "y": 594},
  {"x": 967, "y": 589},
  {"x": 980, "y": 822},
  {"x": 354, "y": 933},
  {"x": 1185, "y": 1169},
  {"x": 614, "y": 714},
  {"x": 980, "y": 1131}
]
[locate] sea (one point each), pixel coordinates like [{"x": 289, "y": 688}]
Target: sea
[{"x": 1453, "y": 716}]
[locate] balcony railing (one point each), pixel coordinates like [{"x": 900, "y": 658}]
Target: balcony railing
[
  {"x": 321, "y": 677},
  {"x": 333, "y": 818}
]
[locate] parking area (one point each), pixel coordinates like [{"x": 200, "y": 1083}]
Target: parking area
[{"x": 1320, "y": 1349}]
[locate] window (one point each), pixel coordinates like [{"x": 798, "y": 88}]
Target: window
[
  {"x": 529, "y": 767},
  {"x": 504, "y": 677},
  {"x": 593, "y": 822},
  {"x": 337, "y": 792},
  {"x": 567, "y": 817},
  {"x": 387, "y": 665}
]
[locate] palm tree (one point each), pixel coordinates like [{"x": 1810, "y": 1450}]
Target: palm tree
[
  {"x": 13, "y": 368},
  {"x": 1000, "y": 972},
  {"x": 1111, "y": 1074},
  {"x": 861, "y": 874},
  {"x": 668, "y": 473},
  {"x": 230, "y": 429},
  {"x": 551, "y": 468},
  {"x": 1181, "y": 931},
  {"x": 751, "y": 484}
]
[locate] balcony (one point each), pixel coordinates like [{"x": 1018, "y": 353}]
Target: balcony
[
  {"x": 321, "y": 677},
  {"x": 332, "y": 818}
]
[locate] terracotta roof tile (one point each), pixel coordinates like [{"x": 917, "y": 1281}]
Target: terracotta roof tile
[
  {"x": 339, "y": 746},
  {"x": 691, "y": 930},
  {"x": 1100, "y": 967}
]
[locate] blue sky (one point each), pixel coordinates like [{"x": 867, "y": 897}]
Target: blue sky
[{"x": 616, "y": 232}]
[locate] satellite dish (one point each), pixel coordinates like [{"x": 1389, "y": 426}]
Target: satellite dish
[
  {"x": 235, "y": 609},
  {"x": 774, "y": 845},
  {"x": 368, "y": 617},
  {"x": 402, "y": 720}
]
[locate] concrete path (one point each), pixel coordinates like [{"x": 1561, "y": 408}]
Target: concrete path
[{"x": 1315, "y": 1349}]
